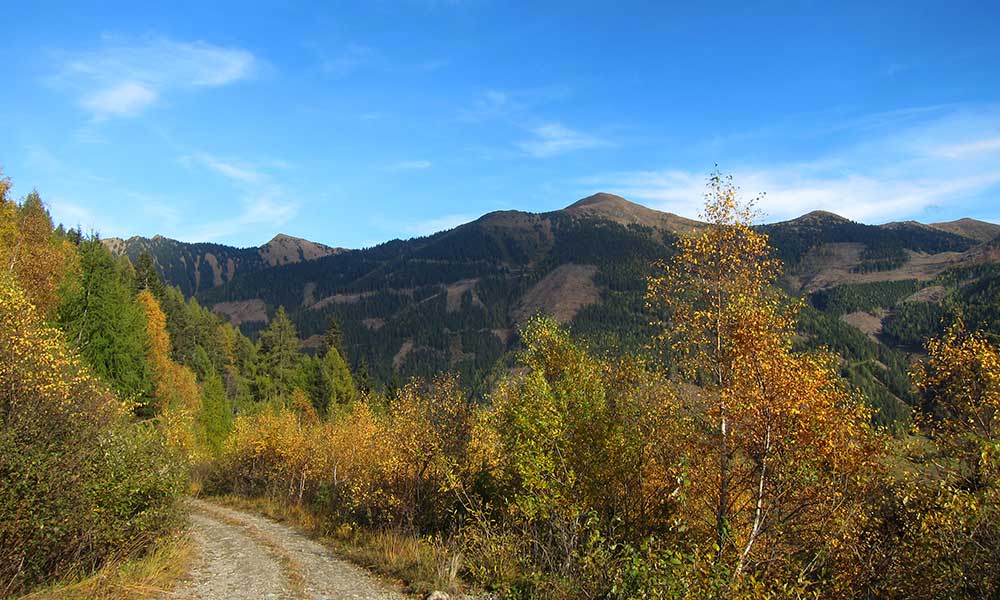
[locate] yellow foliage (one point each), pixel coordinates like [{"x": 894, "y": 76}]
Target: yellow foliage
[
  {"x": 783, "y": 456},
  {"x": 961, "y": 381},
  {"x": 29, "y": 250},
  {"x": 34, "y": 358},
  {"x": 303, "y": 407},
  {"x": 80, "y": 480},
  {"x": 177, "y": 393},
  {"x": 378, "y": 468}
]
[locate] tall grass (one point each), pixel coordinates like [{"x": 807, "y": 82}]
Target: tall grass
[{"x": 125, "y": 576}]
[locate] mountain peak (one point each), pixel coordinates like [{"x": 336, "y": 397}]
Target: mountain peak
[
  {"x": 982, "y": 231},
  {"x": 598, "y": 199},
  {"x": 285, "y": 249},
  {"x": 821, "y": 215},
  {"x": 615, "y": 208},
  {"x": 282, "y": 237}
]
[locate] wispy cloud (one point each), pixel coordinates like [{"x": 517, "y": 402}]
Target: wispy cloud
[
  {"x": 436, "y": 224},
  {"x": 123, "y": 78},
  {"x": 553, "y": 139},
  {"x": 263, "y": 200},
  {"x": 125, "y": 99},
  {"x": 494, "y": 103},
  {"x": 228, "y": 169},
  {"x": 261, "y": 210},
  {"x": 975, "y": 148},
  {"x": 940, "y": 162},
  {"x": 411, "y": 165}
]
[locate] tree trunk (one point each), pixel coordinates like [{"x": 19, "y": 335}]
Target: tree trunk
[{"x": 758, "y": 517}]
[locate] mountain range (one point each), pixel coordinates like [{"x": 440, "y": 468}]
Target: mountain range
[
  {"x": 454, "y": 300},
  {"x": 194, "y": 267}
]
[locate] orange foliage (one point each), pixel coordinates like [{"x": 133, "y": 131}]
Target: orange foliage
[
  {"x": 177, "y": 395},
  {"x": 785, "y": 455}
]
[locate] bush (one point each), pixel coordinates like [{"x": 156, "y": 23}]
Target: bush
[{"x": 79, "y": 479}]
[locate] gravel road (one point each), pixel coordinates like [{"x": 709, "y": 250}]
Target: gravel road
[{"x": 246, "y": 556}]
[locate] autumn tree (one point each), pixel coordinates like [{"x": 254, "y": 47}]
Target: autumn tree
[
  {"x": 194, "y": 418},
  {"x": 571, "y": 447},
  {"x": 960, "y": 384},
  {"x": 31, "y": 251},
  {"x": 782, "y": 461},
  {"x": 949, "y": 542},
  {"x": 429, "y": 426}
]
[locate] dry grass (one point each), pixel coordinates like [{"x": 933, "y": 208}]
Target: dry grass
[
  {"x": 561, "y": 294},
  {"x": 421, "y": 565},
  {"x": 424, "y": 565},
  {"x": 242, "y": 311},
  {"x": 150, "y": 576},
  {"x": 829, "y": 265},
  {"x": 867, "y": 322}
]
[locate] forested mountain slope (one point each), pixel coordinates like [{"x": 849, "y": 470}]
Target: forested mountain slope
[
  {"x": 454, "y": 300},
  {"x": 195, "y": 267}
]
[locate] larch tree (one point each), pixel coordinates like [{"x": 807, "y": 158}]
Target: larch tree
[
  {"x": 779, "y": 467},
  {"x": 175, "y": 384}
]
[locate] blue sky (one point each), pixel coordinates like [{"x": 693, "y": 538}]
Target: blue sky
[{"x": 354, "y": 123}]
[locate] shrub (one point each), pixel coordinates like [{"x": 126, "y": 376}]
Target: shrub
[{"x": 78, "y": 478}]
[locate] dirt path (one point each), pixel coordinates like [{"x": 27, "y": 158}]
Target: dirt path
[{"x": 247, "y": 556}]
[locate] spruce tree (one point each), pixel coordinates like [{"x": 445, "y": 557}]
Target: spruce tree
[
  {"x": 333, "y": 337},
  {"x": 146, "y": 277},
  {"x": 279, "y": 357},
  {"x": 336, "y": 382},
  {"x": 102, "y": 319},
  {"x": 365, "y": 381},
  {"x": 215, "y": 419}
]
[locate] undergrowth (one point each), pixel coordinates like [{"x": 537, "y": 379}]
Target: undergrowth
[{"x": 126, "y": 577}]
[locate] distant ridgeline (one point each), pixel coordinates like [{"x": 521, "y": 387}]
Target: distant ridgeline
[
  {"x": 454, "y": 300},
  {"x": 195, "y": 267}
]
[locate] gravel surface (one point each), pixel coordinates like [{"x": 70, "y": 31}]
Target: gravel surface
[{"x": 243, "y": 555}]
